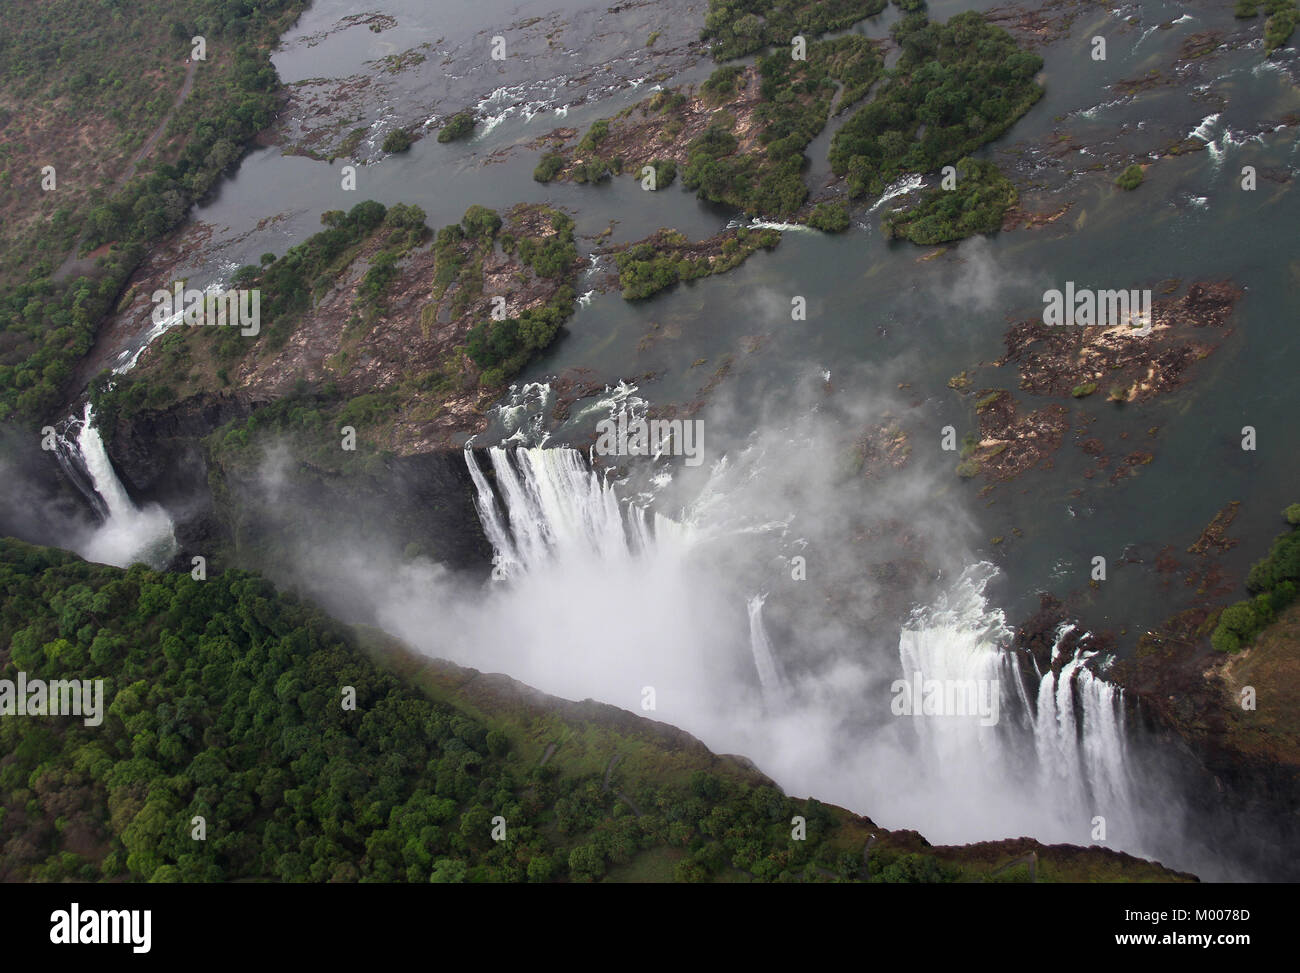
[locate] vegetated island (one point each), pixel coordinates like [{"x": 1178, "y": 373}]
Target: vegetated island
[{"x": 740, "y": 137}]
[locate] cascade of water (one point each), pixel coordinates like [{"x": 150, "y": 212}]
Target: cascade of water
[
  {"x": 1073, "y": 732},
  {"x": 126, "y": 533},
  {"x": 762, "y": 649},
  {"x": 1042, "y": 766}
]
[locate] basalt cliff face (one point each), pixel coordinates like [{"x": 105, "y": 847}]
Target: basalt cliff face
[
  {"x": 258, "y": 514},
  {"x": 1183, "y": 727}
]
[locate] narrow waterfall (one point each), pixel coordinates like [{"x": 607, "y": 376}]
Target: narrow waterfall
[
  {"x": 762, "y": 649},
  {"x": 126, "y": 533}
]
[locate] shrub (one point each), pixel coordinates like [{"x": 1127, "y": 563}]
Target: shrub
[
  {"x": 458, "y": 126},
  {"x": 829, "y": 217},
  {"x": 1130, "y": 178},
  {"x": 398, "y": 140},
  {"x": 665, "y": 172},
  {"x": 1273, "y": 582},
  {"x": 1279, "y": 27},
  {"x": 549, "y": 167},
  {"x": 721, "y": 84},
  {"x": 480, "y": 221}
]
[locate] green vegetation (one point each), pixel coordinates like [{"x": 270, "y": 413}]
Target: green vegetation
[
  {"x": 977, "y": 204},
  {"x": 1084, "y": 390},
  {"x": 598, "y": 132},
  {"x": 502, "y": 348},
  {"x": 665, "y": 172},
  {"x": 740, "y": 27},
  {"x": 593, "y": 170},
  {"x": 93, "y": 112},
  {"x": 1130, "y": 178},
  {"x": 398, "y": 140},
  {"x": 721, "y": 84},
  {"x": 311, "y": 418},
  {"x": 549, "y": 167},
  {"x": 829, "y": 217},
  {"x": 459, "y": 126},
  {"x": 795, "y": 103},
  {"x": 1283, "y": 15},
  {"x": 1272, "y": 581},
  {"x": 956, "y": 86},
  {"x": 668, "y": 257},
  {"x": 670, "y": 99}
]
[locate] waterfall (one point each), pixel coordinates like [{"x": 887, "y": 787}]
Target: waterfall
[
  {"x": 957, "y": 642},
  {"x": 599, "y": 597},
  {"x": 1079, "y": 736},
  {"x": 762, "y": 650},
  {"x": 1064, "y": 751},
  {"x": 126, "y": 533},
  {"x": 557, "y": 507}
]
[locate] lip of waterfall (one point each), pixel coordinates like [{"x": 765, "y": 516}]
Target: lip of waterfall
[{"x": 1080, "y": 734}]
